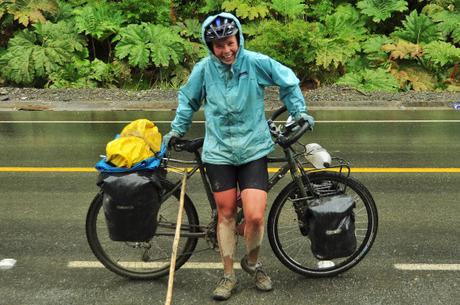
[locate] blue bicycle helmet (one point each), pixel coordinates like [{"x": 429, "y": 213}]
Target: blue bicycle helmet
[{"x": 219, "y": 28}]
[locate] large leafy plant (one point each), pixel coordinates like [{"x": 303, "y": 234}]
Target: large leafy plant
[
  {"x": 380, "y": 10},
  {"x": 99, "y": 21},
  {"x": 156, "y": 47},
  {"x": 34, "y": 54},
  {"x": 423, "y": 67},
  {"x": 247, "y": 9},
  {"x": 158, "y": 41},
  {"x": 338, "y": 38},
  {"x": 28, "y": 11},
  {"x": 418, "y": 28},
  {"x": 136, "y": 11},
  {"x": 370, "y": 80},
  {"x": 148, "y": 44},
  {"x": 288, "y": 43},
  {"x": 447, "y": 16},
  {"x": 289, "y": 8},
  {"x": 83, "y": 73}
]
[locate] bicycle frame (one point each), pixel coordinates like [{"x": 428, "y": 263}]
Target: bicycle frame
[
  {"x": 291, "y": 164},
  {"x": 289, "y": 161}
]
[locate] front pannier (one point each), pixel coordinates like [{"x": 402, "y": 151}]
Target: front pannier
[
  {"x": 332, "y": 227},
  {"x": 131, "y": 202}
]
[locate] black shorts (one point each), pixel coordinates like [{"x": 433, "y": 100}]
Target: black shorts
[{"x": 250, "y": 175}]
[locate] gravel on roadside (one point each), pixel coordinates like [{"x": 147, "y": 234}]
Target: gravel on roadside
[{"x": 118, "y": 99}]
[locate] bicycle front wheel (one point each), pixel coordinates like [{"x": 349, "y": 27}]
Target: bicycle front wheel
[
  {"x": 143, "y": 260},
  {"x": 294, "y": 250}
]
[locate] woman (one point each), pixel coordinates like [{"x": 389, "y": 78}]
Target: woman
[{"x": 229, "y": 83}]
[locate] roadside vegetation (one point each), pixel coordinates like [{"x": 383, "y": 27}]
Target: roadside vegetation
[{"x": 370, "y": 45}]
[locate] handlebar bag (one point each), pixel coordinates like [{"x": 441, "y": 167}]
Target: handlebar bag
[
  {"x": 331, "y": 222},
  {"x": 131, "y": 201}
]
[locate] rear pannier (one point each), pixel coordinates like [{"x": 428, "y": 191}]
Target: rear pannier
[{"x": 131, "y": 202}]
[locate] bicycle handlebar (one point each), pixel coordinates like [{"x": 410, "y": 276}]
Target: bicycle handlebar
[
  {"x": 278, "y": 112},
  {"x": 284, "y": 139}
]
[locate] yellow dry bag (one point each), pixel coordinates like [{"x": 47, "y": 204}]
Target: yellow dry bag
[{"x": 138, "y": 141}]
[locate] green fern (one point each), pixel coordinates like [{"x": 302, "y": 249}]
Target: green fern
[
  {"x": 245, "y": 10},
  {"x": 449, "y": 23},
  {"x": 318, "y": 10},
  {"x": 372, "y": 47},
  {"x": 442, "y": 53},
  {"x": 99, "y": 21},
  {"x": 418, "y": 29},
  {"x": 33, "y": 55},
  {"x": 370, "y": 80},
  {"x": 82, "y": 73},
  {"x": 289, "y": 8},
  {"x": 211, "y": 6},
  {"x": 380, "y": 10},
  {"x": 136, "y": 11}
]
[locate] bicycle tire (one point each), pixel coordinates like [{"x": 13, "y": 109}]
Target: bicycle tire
[
  {"x": 135, "y": 260},
  {"x": 293, "y": 249}
]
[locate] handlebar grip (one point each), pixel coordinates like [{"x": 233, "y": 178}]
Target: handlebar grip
[
  {"x": 278, "y": 112},
  {"x": 287, "y": 141},
  {"x": 178, "y": 144}
]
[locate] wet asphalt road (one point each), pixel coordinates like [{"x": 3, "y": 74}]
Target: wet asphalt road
[{"x": 42, "y": 214}]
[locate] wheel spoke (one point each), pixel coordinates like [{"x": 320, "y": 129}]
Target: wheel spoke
[
  {"x": 143, "y": 260},
  {"x": 293, "y": 249}
]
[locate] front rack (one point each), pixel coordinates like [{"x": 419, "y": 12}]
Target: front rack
[{"x": 338, "y": 165}]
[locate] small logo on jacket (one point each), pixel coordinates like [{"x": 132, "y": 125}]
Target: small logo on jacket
[{"x": 244, "y": 73}]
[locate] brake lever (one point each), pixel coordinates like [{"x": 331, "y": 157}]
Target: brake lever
[{"x": 274, "y": 129}]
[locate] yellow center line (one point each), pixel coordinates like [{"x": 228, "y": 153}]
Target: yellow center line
[
  {"x": 48, "y": 169},
  {"x": 271, "y": 169}
]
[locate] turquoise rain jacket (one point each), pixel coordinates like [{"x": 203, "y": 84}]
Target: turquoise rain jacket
[{"x": 233, "y": 100}]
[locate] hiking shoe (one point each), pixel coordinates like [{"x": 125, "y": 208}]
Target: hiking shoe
[
  {"x": 225, "y": 287},
  {"x": 261, "y": 279}
]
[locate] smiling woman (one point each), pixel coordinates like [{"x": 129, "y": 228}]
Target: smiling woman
[
  {"x": 230, "y": 85},
  {"x": 225, "y": 49}
]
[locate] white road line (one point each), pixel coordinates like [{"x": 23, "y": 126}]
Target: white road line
[
  {"x": 209, "y": 265},
  {"x": 143, "y": 265},
  {"x": 428, "y": 267},
  {"x": 202, "y": 122}
]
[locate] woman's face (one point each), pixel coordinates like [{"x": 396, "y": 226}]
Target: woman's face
[{"x": 225, "y": 49}]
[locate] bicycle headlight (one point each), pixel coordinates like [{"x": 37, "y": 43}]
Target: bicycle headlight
[{"x": 317, "y": 155}]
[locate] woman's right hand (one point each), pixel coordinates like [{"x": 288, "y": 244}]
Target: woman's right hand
[{"x": 168, "y": 139}]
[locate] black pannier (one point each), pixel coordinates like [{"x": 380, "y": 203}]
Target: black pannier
[
  {"x": 331, "y": 221},
  {"x": 131, "y": 201}
]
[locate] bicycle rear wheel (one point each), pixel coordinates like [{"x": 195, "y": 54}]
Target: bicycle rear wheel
[
  {"x": 293, "y": 249},
  {"x": 143, "y": 260}
]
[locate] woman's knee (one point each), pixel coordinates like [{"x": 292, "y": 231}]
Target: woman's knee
[
  {"x": 226, "y": 203},
  {"x": 254, "y": 220},
  {"x": 254, "y": 204}
]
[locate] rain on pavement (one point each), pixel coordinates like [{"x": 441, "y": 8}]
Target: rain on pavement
[{"x": 408, "y": 159}]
